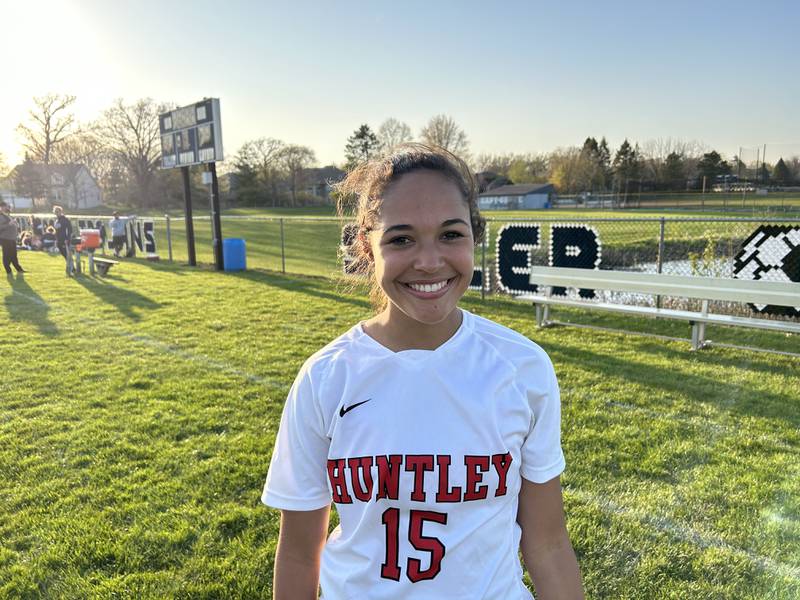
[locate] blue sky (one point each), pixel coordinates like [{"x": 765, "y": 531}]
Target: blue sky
[{"x": 517, "y": 76}]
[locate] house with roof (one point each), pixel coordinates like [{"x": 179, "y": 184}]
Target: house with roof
[
  {"x": 70, "y": 185},
  {"x": 319, "y": 181},
  {"x": 521, "y": 196}
]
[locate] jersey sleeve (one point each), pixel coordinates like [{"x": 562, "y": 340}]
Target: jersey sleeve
[
  {"x": 297, "y": 476},
  {"x": 542, "y": 456}
]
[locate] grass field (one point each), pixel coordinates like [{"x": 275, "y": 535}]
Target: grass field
[{"x": 138, "y": 413}]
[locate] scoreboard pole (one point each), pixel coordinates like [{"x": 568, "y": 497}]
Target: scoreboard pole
[
  {"x": 216, "y": 225},
  {"x": 187, "y": 197}
]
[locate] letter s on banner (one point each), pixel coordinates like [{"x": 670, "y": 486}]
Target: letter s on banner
[{"x": 149, "y": 237}]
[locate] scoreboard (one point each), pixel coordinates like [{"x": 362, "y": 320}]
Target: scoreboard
[{"x": 191, "y": 135}]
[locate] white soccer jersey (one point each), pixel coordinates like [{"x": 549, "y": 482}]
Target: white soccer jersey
[{"x": 422, "y": 453}]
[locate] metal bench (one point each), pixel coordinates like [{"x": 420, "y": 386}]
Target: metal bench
[
  {"x": 776, "y": 293},
  {"x": 103, "y": 265}
]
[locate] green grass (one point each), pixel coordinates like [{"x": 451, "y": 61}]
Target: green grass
[{"x": 138, "y": 414}]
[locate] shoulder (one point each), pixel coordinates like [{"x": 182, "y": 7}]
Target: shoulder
[
  {"x": 339, "y": 351},
  {"x": 510, "y": 344}
]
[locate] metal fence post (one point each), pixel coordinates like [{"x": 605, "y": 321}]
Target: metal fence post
[
  {"x": 483, "y": 263},
  {"x": 169, "y": 237},
  {"x": 660, "y": 259},
  {"x": 283, "y": 250}
]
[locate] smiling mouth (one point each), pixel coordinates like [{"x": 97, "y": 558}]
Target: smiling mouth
[{"x": 430, "y": 288}]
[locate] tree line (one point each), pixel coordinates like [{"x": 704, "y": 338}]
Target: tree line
[{"x": 122, "y": 151}]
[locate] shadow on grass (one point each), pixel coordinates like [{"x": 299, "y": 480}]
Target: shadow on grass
[
  {"x": 729, "y": 397},
  {"x": 303, "y": 284},
  {"x": 29, "y": 307},
  {"x": 174, "y": 268},
  {"x": 126, "y": 301}
]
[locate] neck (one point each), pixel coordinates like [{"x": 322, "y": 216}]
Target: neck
[{"x": 397, "y": 331}]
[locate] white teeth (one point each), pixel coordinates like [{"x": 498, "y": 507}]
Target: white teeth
[{"x": 427, "y": 287}]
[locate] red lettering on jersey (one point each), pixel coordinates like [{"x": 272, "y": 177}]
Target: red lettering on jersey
[
  {"x": 419, "y": 463},
  {"x": 474, "y": 464},
  {"x": 443, "y": 494},
  {"x": 338, "y": 482},
  {"x": 501, "y": 464},
  {"x": 362, "y": 464},
  {"x": 388, "y": 476}
]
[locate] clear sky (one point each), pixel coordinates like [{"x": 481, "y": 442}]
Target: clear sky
[{"x": 517, "y": 76}]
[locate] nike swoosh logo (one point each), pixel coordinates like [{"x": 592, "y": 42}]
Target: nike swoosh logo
[{"x": 343, "y": 410}]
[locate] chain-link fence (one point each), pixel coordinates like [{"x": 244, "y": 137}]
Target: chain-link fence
[
  {"x": 714, "y": 247},
  {"x": 719, "y": 247},
  {"x": 784, "y": 202}
]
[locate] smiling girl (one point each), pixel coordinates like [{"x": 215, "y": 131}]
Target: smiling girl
[{"x": 435, "y": 432}]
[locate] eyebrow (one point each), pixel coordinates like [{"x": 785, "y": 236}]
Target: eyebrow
[{"x": 404, "y": 227}]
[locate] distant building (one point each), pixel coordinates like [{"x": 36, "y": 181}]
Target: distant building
[
  {"x": 318, "y": 182},
  {"x": 523, "y": 196},
  {"x": 71, "y": 186}
]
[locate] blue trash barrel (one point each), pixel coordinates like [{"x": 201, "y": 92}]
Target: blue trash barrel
[{"x": 234, "y": 254}]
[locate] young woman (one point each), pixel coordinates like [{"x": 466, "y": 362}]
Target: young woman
[{"x": 435, "y": 432}]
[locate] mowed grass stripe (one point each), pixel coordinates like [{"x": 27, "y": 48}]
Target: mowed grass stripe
[{"x": 136, "y": 428}]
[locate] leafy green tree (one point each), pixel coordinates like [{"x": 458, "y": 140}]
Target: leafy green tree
[
  {"x": 28, "y": 181},
  {"x": 781, "y": 173},
  {"x": 361, "y": 146}
]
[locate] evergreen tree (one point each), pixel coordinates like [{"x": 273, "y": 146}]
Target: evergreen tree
[
  {"x": 627, "y": 165},
  {"x": 675, "y": 171},
  {"x": 781, "y": 174},
  {"x": 361, "y": 146},
  {"x": 604, "y": 160},
  {"x": 711, "y": 165}
]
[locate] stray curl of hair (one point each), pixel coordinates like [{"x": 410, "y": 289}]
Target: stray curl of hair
[{"x": 360, "y": 195}]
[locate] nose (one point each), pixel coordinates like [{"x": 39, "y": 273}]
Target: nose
[{"x": 429, "y": 258}]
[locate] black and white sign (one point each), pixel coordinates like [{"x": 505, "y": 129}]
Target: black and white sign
[{"x": 771, "y": 253}]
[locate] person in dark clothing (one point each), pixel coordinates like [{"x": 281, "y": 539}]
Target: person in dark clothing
[
  {"x": 8, "y": 239},
  {"x": 63, "y": 236}
]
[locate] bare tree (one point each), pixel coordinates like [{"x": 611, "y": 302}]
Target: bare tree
[
  {"x": 50, "y": 124},
  {"x": 294, "y": 159},
  {"x": 442, "y": 131},
  {"x": 87, "y": 148},
  {"x": 3, "y": 165},
  {"x": 392, "y": 133},
  {"x": 132, "y": 135},
  {"x": 263, "y": 157},
  {"x": 654, "y": 154}
]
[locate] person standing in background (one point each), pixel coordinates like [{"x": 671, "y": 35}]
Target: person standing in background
[
  {"x": 8, "y": 239},
  {"x": 63, "y": 236},
  {"x": 118, "y": 237}
]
